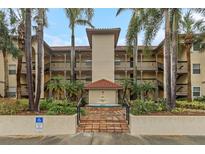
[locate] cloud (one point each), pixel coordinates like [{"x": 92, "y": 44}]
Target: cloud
[
  {"x": 62, "y": 40},
  {"x": 81, "y": 40},
  {"x": 159, "y": 37},
  {"x": 59, "y": 40},
  {"x": 121, "y": 41}
]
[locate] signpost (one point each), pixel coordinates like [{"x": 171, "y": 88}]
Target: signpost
[{"x": 39, "y": 123}]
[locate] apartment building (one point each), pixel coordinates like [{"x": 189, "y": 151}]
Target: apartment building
[{"x": 104, "y": 59}]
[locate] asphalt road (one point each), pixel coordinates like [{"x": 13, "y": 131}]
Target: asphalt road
[{"x": 102, "y": 139}]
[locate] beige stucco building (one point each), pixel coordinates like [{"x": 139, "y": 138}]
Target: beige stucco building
[{"x": 103, "y": 60}]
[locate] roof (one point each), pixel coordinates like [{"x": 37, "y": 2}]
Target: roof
[
  {"x": 68, "y": 48},
  {"x": 102, "y": 31},
  {"x": 87, "y": 48},
  {"x": 103, "y": 84}
]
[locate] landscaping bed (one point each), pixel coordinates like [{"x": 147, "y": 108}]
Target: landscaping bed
[
  {"x": 59, "y": 117},
  {"x": 150, "y": 108},
  {"x": 152, "y": 118},
  {"x": 47, "y": 107}
]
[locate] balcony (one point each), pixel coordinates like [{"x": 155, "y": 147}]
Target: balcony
[
  {"x": 146, "y": 66},
  {"x": 84, "y": 66},
  {"x": 152, "y": 81},
  {"x": 123, "y": 65},
  {"x": 61, "y": 66}
]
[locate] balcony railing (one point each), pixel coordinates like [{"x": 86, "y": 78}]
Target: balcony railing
[
  {"x": 60, "y": 66},
  {"x": 84, "y": 65},
  {"x": 123, "y": 65},
  {"x": 146, "y": 66}
]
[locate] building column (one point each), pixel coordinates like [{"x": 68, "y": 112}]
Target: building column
[
  {"x": 65, "y": 73},
  {"x": 156, "y": 89},
  {"x": 50, "y": 75},
  {"x": 80, "y": 66},
  {"x": 65, "y": 66},
  {"x": 126, "y": 65}
]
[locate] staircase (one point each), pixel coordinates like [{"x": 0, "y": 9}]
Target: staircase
[{"x": 104, "y": 119}]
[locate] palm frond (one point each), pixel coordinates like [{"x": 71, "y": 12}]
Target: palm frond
[{"x": 84, "y": 22}]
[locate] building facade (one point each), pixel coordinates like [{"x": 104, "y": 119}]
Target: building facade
[{"x": 104, "y": 59}]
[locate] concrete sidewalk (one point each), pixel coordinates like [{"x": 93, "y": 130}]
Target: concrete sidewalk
[{"x": 102, "y": 139}]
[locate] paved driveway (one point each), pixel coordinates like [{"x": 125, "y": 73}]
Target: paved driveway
[{"x": 102, "y": 138}]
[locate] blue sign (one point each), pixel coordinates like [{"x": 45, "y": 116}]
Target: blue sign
[
  {"x": 39, "y": 119},
  {"x": 39, "y": 123}
]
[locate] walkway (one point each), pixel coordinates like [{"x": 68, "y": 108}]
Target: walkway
[
  {"x": 102, "y": 139},
  {"x": 104, "y": 119}
]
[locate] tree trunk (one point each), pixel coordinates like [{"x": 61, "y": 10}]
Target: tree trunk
[
  {"x": 6, "y": 79},
  {"x": 21, "y": 45},
  {"x": 188, "y": 45},
  {"x": 135, "y": 56},
  {"x": 167, "y": 58},
  {"x": 39, "y": 59},
  {"x": 28, "y": 52},
  {"x": 18, "y": 77},
  {"x": 72, "y": 56},
  {"x": 174, "y": 62}
]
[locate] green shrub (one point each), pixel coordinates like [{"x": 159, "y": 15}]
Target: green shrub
[
  {"x": 178, "y": 110},
  {"x": 139, "y": 107},
  {"x": 11, "y": 108},
  {"x": 190, "y": 105},
  {"x": 45, "y": 104},
  {"x": 58, "y": 107},
  {"x": 200, "y": 99},
  {"x": 56, "y": 110}
]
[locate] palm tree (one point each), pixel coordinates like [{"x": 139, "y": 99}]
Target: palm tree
[
  {"x": 40, "y": 22},
  {"x": 28, "y": 53},
  {"x": 136, "y": 89},
  {"x": 126, "y": 84},
  {"x": 189, "y": 26},
  {"x": 74, "y": 90},
  {"x": 147, "y": 87},
  {"x": 175, "y": 18},
  {"x": 77, "y": 16},
  {"x": 153, "y": 24},
  {"x": 135, "y": 26},
  {"x": 7, "y": 47},
  {"x": 56, "y": 86},
  {"x": 17, "y": 18}
]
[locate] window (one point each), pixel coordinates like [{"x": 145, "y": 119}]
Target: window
[
  {"x": 196, "y": 92},
  {"x": 196, "y": 68},
  {"x": 11, "y": 92},
  {"x": 196, "y": 46},
  {"x": 12, "y": 69}
]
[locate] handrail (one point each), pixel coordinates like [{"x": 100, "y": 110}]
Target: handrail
[
  {"x": 78, "y": 110},
  {"x": 127, "y": 107}
]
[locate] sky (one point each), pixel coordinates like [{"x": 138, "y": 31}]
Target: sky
[{"x": 58, "y": 32}]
